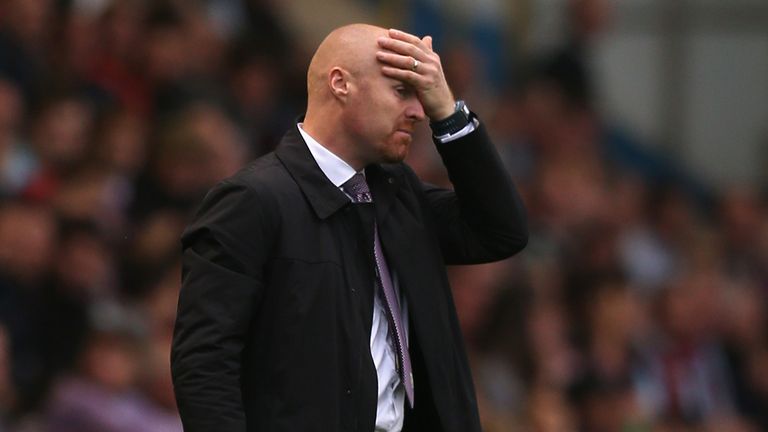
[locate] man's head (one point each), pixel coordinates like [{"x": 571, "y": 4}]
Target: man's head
[{"x": 353, "y": 108}]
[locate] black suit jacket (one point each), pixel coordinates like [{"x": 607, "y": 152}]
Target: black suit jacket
[{"x": 276, "y": 304}]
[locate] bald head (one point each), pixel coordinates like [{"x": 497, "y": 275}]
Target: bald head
[{"x": 351, "y": 48}]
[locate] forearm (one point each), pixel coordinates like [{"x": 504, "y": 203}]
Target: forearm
[{"x": 484, "y": 217}]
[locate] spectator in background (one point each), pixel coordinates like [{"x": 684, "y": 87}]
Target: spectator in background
[
  {"x": 683, "y": 377},
  {"x": 60, "y": 136},
  {"x": 746, "y": 342},
  {"x": 115, "y": 62},
  {"x": 28, "y": 239},
  {"x": 76, "y": 164},
  {"x": 17, "y": 160},
  {"x": 24, "y": 35},
  {"x": 194, "y": 149},
  {"x": 83, "y": 276},
  {"x": 101, "y": 395},
  {"x": 257, "y": 80}
]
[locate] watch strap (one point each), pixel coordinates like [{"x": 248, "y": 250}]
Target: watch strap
[{"x": 453, "y": 123}]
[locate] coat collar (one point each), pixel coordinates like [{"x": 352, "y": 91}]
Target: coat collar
[{"x": 324, "y": 197}]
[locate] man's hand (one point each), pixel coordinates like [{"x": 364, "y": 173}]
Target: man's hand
[{"x": 411, "y": 60}]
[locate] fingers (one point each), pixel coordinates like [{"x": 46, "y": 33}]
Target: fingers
[
  {"x": 427, "y": 42},
  {"x": 409, "y": 59},
  {"x": 403, "y": 48},
  {"x": 402, "y": 61},
  {"x": 406, "y": 76},
  {"x": 407, "y": 37}
]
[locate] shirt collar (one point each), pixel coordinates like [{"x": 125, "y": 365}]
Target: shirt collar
[{"x": 337, "y": 171}]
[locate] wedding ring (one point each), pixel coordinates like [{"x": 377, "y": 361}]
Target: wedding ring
[{"x": 415, "y": 65}]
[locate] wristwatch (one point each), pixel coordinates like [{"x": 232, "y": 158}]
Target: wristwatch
[{"x": 454, "y": 123}]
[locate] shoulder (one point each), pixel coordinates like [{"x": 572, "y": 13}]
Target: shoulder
[
  {"x": 262, "y": 176},
  {"x": 252, "y": 190}
]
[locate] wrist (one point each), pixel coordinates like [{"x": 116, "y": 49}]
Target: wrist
[
  {"x": 445, "y": 111},
  {"x": 453, "y": 123}
]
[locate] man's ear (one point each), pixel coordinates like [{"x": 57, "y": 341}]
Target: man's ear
[{"x": 338, "y": 81}]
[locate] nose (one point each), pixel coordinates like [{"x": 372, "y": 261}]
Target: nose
[{"x": 414, "y": 111}]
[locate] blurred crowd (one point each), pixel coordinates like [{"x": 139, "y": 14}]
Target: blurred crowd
[{"x": 639, "y": 304}]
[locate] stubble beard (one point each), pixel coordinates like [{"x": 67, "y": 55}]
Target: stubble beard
[{"x": 396, "y": 148}]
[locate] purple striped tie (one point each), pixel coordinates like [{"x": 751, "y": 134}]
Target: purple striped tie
[{"x": 357, "y": 189}]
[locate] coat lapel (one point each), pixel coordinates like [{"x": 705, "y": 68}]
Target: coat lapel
[{"x": 325, "y": 198}]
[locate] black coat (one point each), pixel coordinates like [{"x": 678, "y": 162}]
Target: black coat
[{"x": 275, "y": 310}]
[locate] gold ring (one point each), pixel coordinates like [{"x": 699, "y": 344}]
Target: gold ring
[{"x": 415, "y": 65}]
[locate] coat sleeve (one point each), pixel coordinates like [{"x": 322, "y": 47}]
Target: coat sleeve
[
  {"x": 483, "y": 218},
  {"x": 224, "y": 251}
]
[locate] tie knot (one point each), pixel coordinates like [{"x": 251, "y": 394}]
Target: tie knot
[{"x": 357, "y": 188}]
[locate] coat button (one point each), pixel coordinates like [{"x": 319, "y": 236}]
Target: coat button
[
  {"x": 349, "y": 392},
  {"x": 353, "y": 290},
  {"x": 390, "y": 180}
]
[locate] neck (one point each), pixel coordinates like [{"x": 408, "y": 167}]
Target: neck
[{"x": 324, "y": 128}]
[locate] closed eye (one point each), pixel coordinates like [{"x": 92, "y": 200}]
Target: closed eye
[{"x": 403, "y": 91}]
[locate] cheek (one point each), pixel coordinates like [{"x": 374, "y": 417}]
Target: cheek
[
  {"x": 370, "y": 124},
  {"x": 372, "y": 116},
  {"x": 354, "y": 122}
]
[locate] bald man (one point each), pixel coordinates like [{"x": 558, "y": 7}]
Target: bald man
[{"x": 314, "y": 294}]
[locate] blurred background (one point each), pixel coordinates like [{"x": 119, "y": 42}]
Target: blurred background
[{"x": 636, "y": 131}]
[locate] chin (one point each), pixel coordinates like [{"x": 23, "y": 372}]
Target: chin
[
  {"x": 395, "y": 158},
  {"x": 396, "y": 152}
]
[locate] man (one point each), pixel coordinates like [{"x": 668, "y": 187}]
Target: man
[{"x": 314, "y": 294}]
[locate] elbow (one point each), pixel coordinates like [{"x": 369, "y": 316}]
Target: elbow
[
  {"x": 501, "y": 244},
  {"x": 514, "y": 242},
  {"x": 521, "y": 242},
  {"x": 514, "y": 236},
  {"x": 519, "y": 232}
]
